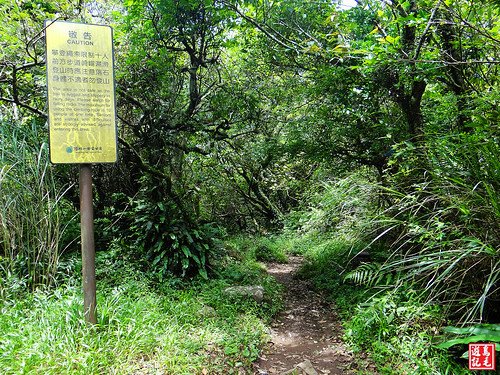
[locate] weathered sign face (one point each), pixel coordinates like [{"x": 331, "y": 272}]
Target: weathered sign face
[{"x": 81, "y": 95}]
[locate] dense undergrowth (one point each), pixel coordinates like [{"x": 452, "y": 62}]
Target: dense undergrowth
[
  {"x": 383, "y": 265},
  {"x": 397, "y": 328},
  {"x": 174, "y": 327}
]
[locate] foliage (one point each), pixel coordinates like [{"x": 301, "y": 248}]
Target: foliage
[
  {"x": 477, "y": 333},
  {"x": 156, "y": 236},
  {"x": 34, "y": 215},
  {"x": 335, "y": 204},
  {"x": 325, "y": 260},
  {"x": 441, "y": 228},
  {"x": 398, "y": 330},
  {"x": 270, "y": 251},
  {"x": 366, "y": 274},
  {"x": 139, "y": 326},
  {"x": 270, "y": 248},
  {"x": 22, "y": 73},
  {"x": 374, "y": 319}
]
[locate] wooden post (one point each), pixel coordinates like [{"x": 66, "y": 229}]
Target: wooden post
[{"x": 88, "y": 245}]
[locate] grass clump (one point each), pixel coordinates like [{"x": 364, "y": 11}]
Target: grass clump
[
  {"x": 271, "y": 248},
  {"x": 34, "y": 215},
  {"x": 398, "y": 330},
  {"x": 324, "y": 262}
]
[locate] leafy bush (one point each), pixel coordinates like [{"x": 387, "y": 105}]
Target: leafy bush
[
  {"x": 242, "y": 273},
  {"x": 270, "y": 248},
  {"x": 441, "y": 228},
  {"x": 336, "y": 205},
  {"x": 398, "y": 329},
  {"x": 326, "y": 259},
  {"x": 165, "y": 243}
]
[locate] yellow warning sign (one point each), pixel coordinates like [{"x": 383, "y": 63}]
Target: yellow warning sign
[{"x": 81, "y": 93}]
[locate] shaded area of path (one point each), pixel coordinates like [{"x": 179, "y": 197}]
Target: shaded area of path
[{"x": 306, "y": 337}]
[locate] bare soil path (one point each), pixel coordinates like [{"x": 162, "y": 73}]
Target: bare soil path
[{"x": 306, "y": 337}]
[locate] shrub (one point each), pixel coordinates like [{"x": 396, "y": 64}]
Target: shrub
[
  {"x": 442, "y": 230},
  {"x": 158, "y": 236},
  {"x": 341, "y": 205},
  {"x": 398, "y": 329},
  {"x": 270, "y": 248}
]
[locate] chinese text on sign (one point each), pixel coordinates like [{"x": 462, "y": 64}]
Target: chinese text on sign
[{"x": 81, "y": 94}]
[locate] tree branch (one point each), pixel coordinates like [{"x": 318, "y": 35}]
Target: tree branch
[
  {"x": 427, "y": 27},
  {"x": 24, "y": 105},
  {"x": 259, "y": 26}
]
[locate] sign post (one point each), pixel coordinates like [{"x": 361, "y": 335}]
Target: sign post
[
  {"x": 88, "y": 245},
  {"x": 82, "y": 125}
]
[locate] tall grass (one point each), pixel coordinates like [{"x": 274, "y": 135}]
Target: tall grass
[
  {"x": 33, "y": 214},
  {"x": 444, "y": 233},
  {"x": 337, "y": 205}
]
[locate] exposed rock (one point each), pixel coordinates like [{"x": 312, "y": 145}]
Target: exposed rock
[
  {"x": 303, "y": 368},
  {"x": 307, "y": 367},
  {"x": 254, "y": 291},
  {"x": 207, "y": 312}
]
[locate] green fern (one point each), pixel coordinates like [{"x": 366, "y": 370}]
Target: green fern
[{"x": 366, "y": 274}]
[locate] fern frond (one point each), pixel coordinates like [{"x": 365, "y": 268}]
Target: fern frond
[{"x": 366, "y": 274}]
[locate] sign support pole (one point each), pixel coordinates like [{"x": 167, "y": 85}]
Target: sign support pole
[
  {"x": 88, "y": 244},
  {"x": 82, "y": 120}
]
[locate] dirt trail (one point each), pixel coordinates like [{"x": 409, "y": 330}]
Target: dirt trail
[{"x": 307, "y": 334}]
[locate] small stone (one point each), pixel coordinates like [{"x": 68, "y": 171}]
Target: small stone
[
  {"x": 254, "y": 291},
  {"x": 303, "y": 368},
  {"x": 307, "y": 367},
  {"x": 207, "y": 312}
]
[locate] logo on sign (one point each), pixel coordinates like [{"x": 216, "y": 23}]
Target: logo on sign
[{"x": 482, "y": 356}]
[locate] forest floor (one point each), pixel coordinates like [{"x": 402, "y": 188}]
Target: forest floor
[{"x": 306, "y": 338}]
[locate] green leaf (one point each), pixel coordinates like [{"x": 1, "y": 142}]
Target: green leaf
[
  {"x": 203, "y": 273},
  {"x": 491, "y": 329},
  {"x": 468, "y": 340},
  {"x": 186, "y": 251},
  {"x": 230, "y": 350}
]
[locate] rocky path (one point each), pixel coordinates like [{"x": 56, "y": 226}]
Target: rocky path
[{"x": 306, "y": 337}]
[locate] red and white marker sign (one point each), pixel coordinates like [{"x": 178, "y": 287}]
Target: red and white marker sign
[{"x": 482, "y": 356}]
